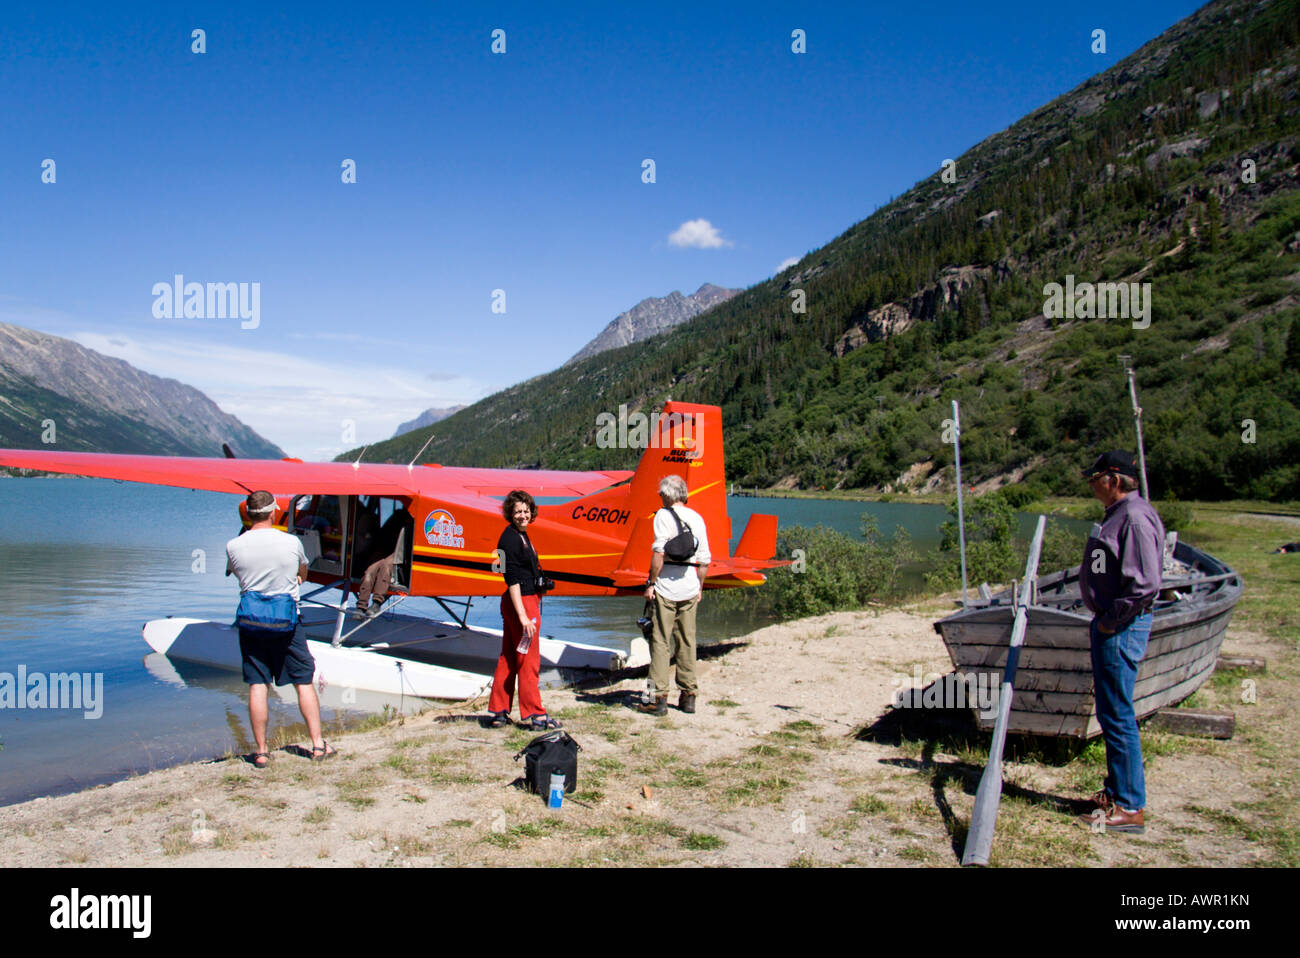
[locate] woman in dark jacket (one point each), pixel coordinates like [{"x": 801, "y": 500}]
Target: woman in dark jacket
[{"x": 521, "y": 618}]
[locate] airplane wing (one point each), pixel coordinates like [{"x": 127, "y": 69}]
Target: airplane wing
[{"x": 292, "y": 476}]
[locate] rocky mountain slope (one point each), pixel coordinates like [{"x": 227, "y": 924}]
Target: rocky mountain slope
[
  {"x": 100, "y": 404},
  {"x": 652, "y": 316}
]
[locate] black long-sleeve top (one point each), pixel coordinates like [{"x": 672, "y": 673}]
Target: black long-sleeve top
[{"x": 522, "y": 567}]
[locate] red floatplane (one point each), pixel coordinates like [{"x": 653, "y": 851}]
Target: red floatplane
[{"x": 595, "y": 543}]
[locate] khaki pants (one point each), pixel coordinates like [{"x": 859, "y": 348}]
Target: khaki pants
[{"x": 673, "y": 637}]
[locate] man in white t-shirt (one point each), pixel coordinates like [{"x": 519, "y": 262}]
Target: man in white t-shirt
[
  {"x": 675, "y": 588},
  {"x": 272, "y": 563}
]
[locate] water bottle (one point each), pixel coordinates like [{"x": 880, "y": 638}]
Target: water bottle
[
  {"x": 557, "y": 790},
  {"x": 525, "y": 643}
]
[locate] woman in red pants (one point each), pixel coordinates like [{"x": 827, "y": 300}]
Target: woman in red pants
[{"x": 521, "y": 619}]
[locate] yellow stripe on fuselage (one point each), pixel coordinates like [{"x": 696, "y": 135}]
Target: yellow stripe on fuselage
[
  {"x": 460, "y": 573},
  {"x": 453, "y": 553}
]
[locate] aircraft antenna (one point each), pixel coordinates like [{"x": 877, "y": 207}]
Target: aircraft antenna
[
  {"x": 421, "y": 452},
  {"x": 359, "y": 455}
]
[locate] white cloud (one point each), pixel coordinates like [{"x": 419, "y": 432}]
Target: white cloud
[
  {"x": 786, "y": 264},
  {"x": 296, "y": 401},
  {"x": 697, "y": 234}
]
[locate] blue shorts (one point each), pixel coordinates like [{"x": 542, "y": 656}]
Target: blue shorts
[{"x": 276, "y": 657}]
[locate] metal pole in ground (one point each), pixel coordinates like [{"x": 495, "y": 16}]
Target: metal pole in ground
[
  {"x": 984, "y": 818},
  {"x": 1137, "y": 422},
  {"x": 961, "y": 517}
]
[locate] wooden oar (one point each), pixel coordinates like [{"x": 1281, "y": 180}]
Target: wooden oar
[{"x": 979, "y": 837}]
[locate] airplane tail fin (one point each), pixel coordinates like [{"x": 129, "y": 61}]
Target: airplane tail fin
[{"x": 685, "y": 439}]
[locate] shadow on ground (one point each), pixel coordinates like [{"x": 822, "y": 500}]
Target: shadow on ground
[{"x": 953, "y": 731}]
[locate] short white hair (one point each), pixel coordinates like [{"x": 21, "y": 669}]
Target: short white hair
[{"x": 674, "y": 487}]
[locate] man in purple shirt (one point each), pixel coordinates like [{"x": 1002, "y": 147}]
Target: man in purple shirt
[{"x": 1119, "y": 580}]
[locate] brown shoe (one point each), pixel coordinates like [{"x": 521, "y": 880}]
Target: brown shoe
[
  {"x": 1116, "y": 820},
  {"x": 687, "y": 703},
  {"x": 658, "y": 707}
]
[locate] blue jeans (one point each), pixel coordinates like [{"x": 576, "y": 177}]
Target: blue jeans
[{"x": 1115, "y": 661}]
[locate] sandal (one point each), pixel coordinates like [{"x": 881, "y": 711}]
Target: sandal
[
  {"x": 499, "y": 720},
  {"x": 321, "y": 752},
  {"x": 542, "y": 723},
  {"x": 261, "y": 759}
]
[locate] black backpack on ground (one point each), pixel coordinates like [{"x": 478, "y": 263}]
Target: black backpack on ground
[
  {"x": 680, "y": 548},
  {"x": 551, "y": 752}
]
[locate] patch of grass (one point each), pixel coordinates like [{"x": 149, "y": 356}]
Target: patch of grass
[
  {"x": 804, "y": 860},
  {"x": 517, "y": 738},
  {"x": 458, "y": 823},
  {"x": 646, "y": 826},
  {"x": 608, "y": 763},
  {"x": 1161, "y": 743},
  {"x": 538, "y": 828},
  {"x": 410, "y": 847},
  {"x": 689, "y": 778},
  {"x": 1029, "y": 835},
  {"x": 868, "y": 805},
  {"x": 781, "y": 753},
  {"x": 598, "y": 831},
  {"x": 760, "y": 790},
  {"x": 924, "y": 808},
  {"x": 386, "y": 716},
  {"x": 915, "y": 853},
  {"x": 354, "y": 790},
  {"x": 318, "y": 815},
  {"x": 724, "y": 703},
  {"x": 702, "y": 842},
  {"x": 1228, "y": 681},
  {"x": 510, "y": 837},
  {"x": 403, "y": 764},
  {"x": 839, "y": 827},
  {"x": 1234, "y": 824}
]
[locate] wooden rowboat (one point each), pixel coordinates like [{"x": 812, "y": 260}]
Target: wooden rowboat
[{"x": 1054, "y": 682}]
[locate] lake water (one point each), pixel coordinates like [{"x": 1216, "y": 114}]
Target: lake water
[{"x": 87, "y": 562}]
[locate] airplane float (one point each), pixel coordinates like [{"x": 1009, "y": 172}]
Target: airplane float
[{"x": 448, "y": 520}]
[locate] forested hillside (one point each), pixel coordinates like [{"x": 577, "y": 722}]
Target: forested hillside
[{"x": 1177, "y": 168}]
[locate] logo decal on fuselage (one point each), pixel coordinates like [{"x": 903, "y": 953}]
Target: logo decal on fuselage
[{"x": 440, "y": 529}]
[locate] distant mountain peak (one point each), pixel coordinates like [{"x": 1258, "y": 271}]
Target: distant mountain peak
[
  {"x": 652, "y": 316},
  {"x": 427, "y": 418}
]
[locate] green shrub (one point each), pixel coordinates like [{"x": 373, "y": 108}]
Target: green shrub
[
  {"x": 1174, "y": 514},
  {"x": 990, "y": 543},
  {"x": 833, "y": 571},
  {"x": 1018, "y": 495}
]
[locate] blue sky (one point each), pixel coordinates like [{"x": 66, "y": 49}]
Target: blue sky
[{"x": 475, "y": 172}]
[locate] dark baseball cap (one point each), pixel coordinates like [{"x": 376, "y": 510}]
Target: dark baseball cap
[{"x": 1117, "y": 461}]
